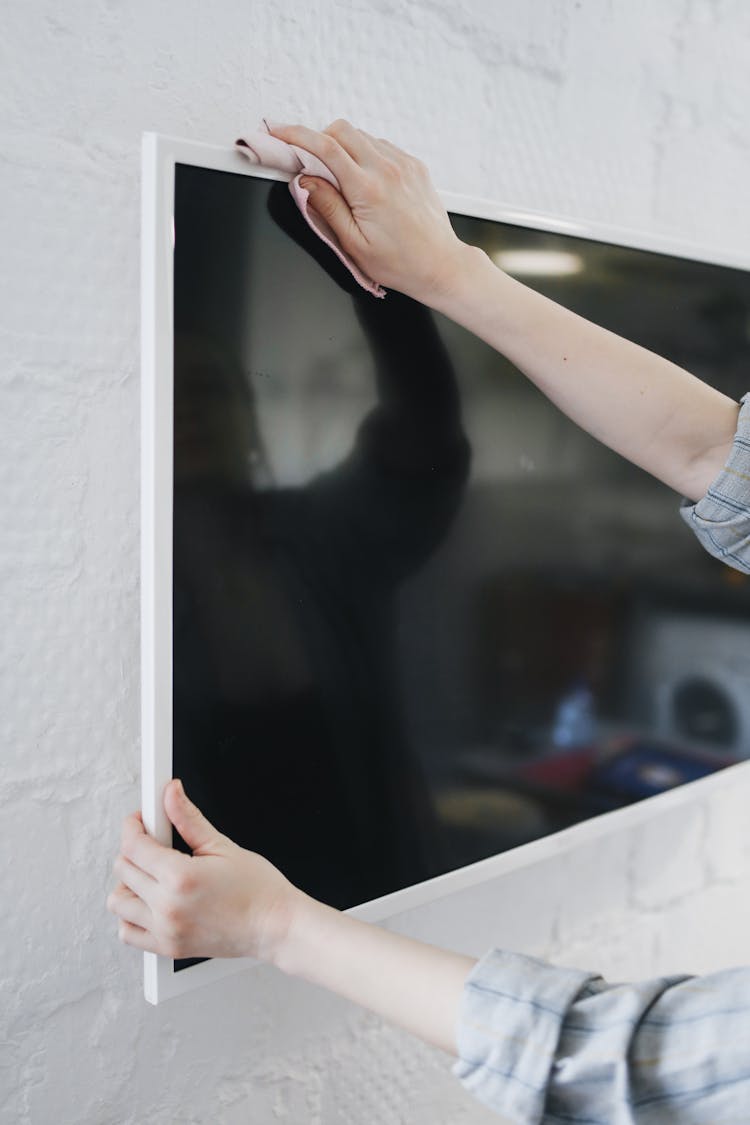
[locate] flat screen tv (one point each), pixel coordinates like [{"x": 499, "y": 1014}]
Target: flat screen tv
[{"x": 400, "y": 616}]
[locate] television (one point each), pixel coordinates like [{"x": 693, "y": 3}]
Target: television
[{"x": 400, "y": 617}]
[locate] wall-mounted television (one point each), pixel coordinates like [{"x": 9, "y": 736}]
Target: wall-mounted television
[{"x": 400, "y": 616}]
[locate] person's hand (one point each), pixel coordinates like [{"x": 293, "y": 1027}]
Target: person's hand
[
  {"x": 221, "y": 901},
  {"x": 388, "y": 216}
]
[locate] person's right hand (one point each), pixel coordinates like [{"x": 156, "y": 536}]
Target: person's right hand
[
  {"x": 221, "y": 901},
  {"x": 388, "y": 216}
]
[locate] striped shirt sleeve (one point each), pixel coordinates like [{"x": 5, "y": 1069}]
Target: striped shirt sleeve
[
  {"x": 549, "y": 1046},
  {"x": 721, "y": 518}
]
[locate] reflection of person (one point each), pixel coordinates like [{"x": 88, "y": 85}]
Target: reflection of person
[
  {"x": 535, "y": 1042},
  {"x": 284, "y": 683}
]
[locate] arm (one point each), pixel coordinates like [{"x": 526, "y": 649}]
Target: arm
[
  {"x": 390, "y": 502},
  {"x": 224, "y": 901},
  {"x": 411, "y": 984},
  {"x": 535, "y": 1042},
  {"x": 384, "y": 508},
  {"x": 418, "y": 408},
  {"x": 390, "y": 219},
  {"x": 644, "y": 407}
]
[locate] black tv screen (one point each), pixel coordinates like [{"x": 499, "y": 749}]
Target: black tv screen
[{"x": 419, "y": 617}]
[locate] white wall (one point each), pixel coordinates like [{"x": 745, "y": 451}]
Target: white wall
[{"x": 625, "y": 112}]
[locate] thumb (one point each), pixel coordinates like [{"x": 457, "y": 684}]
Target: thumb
[
  {"x": 330, "y": 205},
  {"x": 197, "y": 832}
]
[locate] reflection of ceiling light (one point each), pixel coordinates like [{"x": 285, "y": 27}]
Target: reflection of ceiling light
[{"x": 538, "y": 263}]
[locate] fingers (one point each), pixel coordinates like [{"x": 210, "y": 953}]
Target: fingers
[
  {"x": 327, "y": 148},
  {"x": 385, "y": 147},
  {"x": 143, "y": 850},
  {"x": 197, "y": 832},
  {"x": 132, "y": 826},
  {"x": 331, "y": 206},
  {"x": 135, "y": 879},
  {"x": 141, "y": 939},
  {"x": 129, "y": 907},
  {"x": 394, "y": 153},
  {"x": 354, "y": 141}
]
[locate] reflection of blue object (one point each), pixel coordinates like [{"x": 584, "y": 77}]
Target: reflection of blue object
[
  {"x": 643, "y": 769},
  {"x": 574, "y": 723}
]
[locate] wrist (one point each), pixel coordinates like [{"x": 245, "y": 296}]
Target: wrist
[
  {"x": 488, "y": 302},
  {"x": 460, "y": 276},
  {"x": 304, "y": 918}
]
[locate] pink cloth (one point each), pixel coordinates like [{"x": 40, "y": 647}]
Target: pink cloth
[{"x": 261, "y": 148}]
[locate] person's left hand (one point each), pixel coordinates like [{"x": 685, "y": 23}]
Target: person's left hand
[{"x": 221, "y": 901}]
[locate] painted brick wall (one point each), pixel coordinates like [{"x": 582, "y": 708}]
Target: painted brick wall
[{"x": 621, "y": 111}]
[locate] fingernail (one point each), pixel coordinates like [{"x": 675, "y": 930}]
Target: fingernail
[
  {"x": 274, "y": 124},
  {"x": 308, "y": 185},
  {"x": 180, "y": 787}
]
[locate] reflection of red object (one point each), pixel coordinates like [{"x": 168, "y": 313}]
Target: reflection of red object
[
  {"x": 568, "y": 772},
  {"x": 624, "y": 769}
]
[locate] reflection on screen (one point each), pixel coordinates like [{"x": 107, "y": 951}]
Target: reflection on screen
[{"x": 419, "y": 617}]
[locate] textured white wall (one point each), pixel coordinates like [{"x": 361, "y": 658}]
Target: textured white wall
[{"x": 627, "y": 112}]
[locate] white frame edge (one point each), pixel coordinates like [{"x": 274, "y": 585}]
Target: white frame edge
[{"x": 160, "y": 154}]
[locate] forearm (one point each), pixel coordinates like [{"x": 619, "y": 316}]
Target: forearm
[
  {"x": 409, "y": 983},
  {"x": 413, "y": 368},
  {"x": 639, "y": 404}
]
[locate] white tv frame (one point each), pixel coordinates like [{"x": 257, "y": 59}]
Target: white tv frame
[{"x": 160, "y": 154}]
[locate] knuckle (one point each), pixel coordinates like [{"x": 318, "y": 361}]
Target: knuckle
[
  {"x": 183, "y": 883},
  {"x": 340, "y": 125},
  {"x": 328, "y": 148},
  {"x": 324, "y": 205}
]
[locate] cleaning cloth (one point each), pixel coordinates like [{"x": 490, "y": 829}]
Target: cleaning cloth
[{"x": 261, "y": 148}]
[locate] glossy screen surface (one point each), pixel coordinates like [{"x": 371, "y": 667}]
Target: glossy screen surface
[{"x": 419, "y": 616}]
